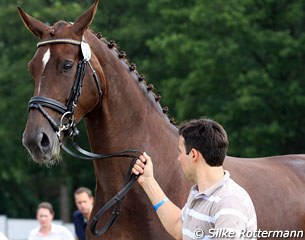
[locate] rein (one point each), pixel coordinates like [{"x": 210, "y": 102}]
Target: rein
[
  {"x": 67, "y": 128},
  {"x": 117, "y": 199}
]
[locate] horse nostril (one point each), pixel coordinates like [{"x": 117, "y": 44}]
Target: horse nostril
[{"x": 45, "y": 143}]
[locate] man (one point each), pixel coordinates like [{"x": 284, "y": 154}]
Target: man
[
  {"x": 217, "y": 207},
  {"x": 84, "y": 202}
]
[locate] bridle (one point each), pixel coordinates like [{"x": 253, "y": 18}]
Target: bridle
[
  {"x": 67, "y": 128},
  {"x": 67, "y": 123}
]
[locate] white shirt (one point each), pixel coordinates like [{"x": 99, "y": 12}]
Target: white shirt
[
  {"x": 2, "y": 237},
  {"x": 57, "y": 233}
]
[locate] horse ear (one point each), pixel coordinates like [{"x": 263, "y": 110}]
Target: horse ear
[
  {"x": 32, "y": 24},
  {"x": 84, "y": 21}
]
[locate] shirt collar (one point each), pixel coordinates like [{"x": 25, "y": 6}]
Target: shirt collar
[{"x": 208, "y": 192}]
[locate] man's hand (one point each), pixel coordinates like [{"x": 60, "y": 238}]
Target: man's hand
[
  {"x": 172, "y": 222},
  {"x": 144, "y": 167}
]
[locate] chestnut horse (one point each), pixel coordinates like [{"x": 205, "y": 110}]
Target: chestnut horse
[{"x": 121, "y": 112}]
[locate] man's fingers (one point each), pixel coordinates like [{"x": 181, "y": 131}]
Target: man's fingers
[
  {"x": 140, "y": 163},
  {"x": 138, "y": 167},
  {"x": 135, "y": 171},
  {"x": 142, "y": 158}
]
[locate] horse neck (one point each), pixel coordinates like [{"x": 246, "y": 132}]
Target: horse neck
[{"x": 128, "y": 116}]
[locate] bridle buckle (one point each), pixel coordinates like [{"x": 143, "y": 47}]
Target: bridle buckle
[{"x": 67, "y": 125}]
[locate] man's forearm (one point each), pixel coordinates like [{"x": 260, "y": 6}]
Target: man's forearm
[{"x": 168, "y": 213}]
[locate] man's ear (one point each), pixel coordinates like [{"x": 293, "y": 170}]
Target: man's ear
[{"x": 195, "y": 154}]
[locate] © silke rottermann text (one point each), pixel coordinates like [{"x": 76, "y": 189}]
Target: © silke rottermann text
[{"x": 230, "y": 234}]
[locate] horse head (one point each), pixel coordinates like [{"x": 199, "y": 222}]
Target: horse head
[{"x": 60, "y": 75}]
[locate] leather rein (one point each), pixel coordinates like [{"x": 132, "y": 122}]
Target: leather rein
[{"x": 67, "y": 128}]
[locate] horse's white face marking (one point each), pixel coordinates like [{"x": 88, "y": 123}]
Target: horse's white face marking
[{"x": 45, "y": 59}]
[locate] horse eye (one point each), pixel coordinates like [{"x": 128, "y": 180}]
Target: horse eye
[{"x": 67, "y": 66}]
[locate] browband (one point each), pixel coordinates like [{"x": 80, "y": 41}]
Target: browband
[{"x": 59, "y": 40}]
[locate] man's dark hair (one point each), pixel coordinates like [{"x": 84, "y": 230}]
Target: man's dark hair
[
  {"x": 83, "y": 190},
  {"x": 208, "y": 137}
]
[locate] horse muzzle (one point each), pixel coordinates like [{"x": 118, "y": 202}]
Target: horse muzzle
[{"x": 42, "y": 144}]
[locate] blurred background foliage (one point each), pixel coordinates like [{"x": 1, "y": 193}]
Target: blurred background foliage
[{"x": 239, "y": 62}]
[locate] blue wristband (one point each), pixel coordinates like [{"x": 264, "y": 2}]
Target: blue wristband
[{"x": 156, "y": 206}]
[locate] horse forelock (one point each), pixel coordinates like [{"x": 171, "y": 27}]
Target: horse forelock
[
  {"x": 60, "y": 29},
  {"x": 58, "y": 26}
]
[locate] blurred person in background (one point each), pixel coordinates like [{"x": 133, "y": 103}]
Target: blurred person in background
[
  {"x": 48, "y": 230},
  {"x": 84, "y": 202}
]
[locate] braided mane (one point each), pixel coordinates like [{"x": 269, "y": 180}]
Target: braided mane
[{"x": 132, "y": 67}]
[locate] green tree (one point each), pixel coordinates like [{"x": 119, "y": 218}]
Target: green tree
[{"x": 239, "y": 62}]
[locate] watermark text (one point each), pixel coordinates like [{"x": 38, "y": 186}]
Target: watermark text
[{"x": 226, "y": 233}]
